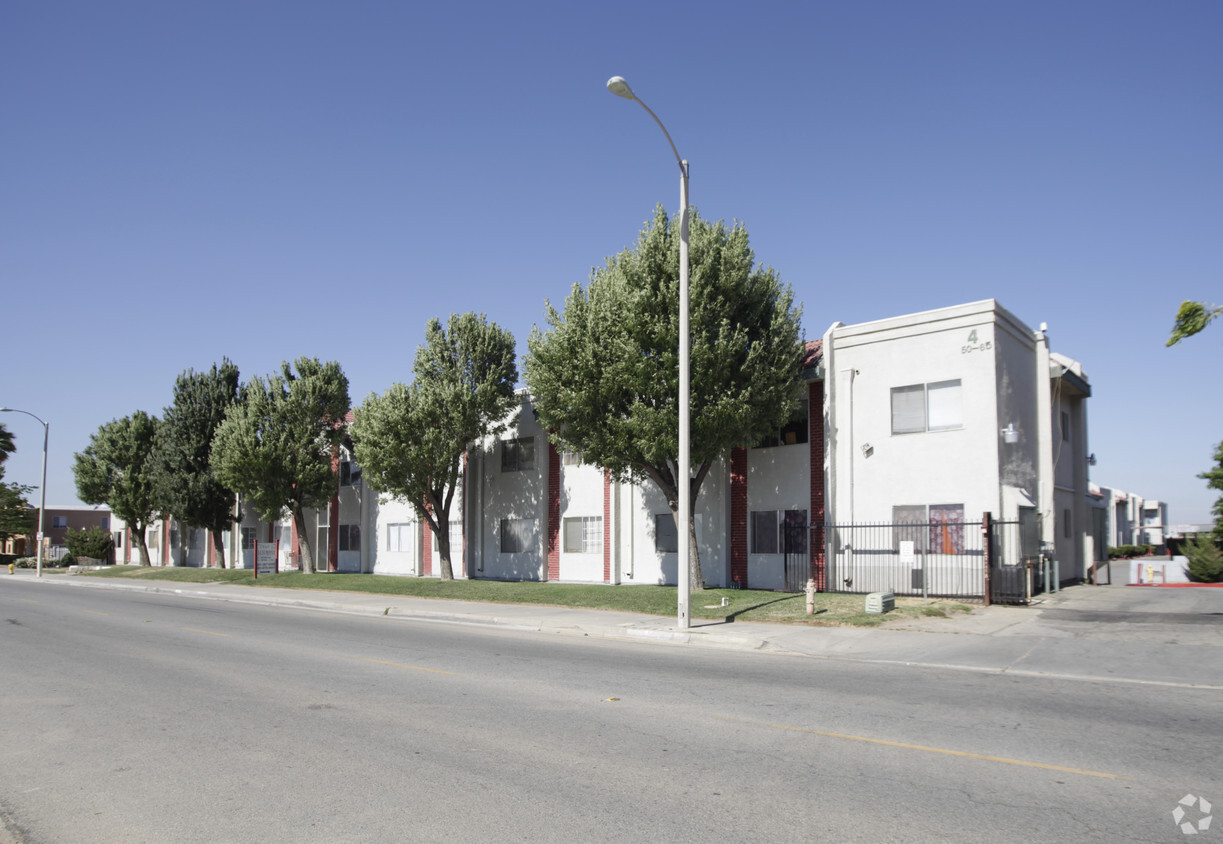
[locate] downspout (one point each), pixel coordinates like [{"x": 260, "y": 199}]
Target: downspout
[{"x": 1044, "y": 436}]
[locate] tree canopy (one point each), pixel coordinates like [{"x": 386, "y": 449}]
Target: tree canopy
[
  {"x": 1191, "y": 318},
  {"x": 187, "y": 484},
  {"x": 7, "y": 447},
  {"x": 277, "y": 446},
  {"x": 410, "y": 440},
  {"x": 114, "y": 469},
  {"x": 605, "y": 376},
  {"x": 1214, "y": 480},
  {"x": 17, "y": 517}
]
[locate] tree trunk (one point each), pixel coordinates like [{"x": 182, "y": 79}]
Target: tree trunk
[
  {"x": 299, "y": 519},
  {"x": 695, "y": 581},
  {"x": 442, "y": 534},
  {"x": 141, "y": 545},
  {"x": 218, "y": 545}
]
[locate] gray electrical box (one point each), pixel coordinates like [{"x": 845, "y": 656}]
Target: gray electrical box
[{"x": 880, "y": 602}]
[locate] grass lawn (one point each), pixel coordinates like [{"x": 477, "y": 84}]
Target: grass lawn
[{"x": 743, "y": 604}]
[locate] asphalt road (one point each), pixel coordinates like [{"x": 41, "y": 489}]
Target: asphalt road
[{"x": 131, "y": 717}]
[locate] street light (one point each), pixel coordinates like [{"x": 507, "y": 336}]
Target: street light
[
  {"x": 620, "y": 88},
  {"x": 42, "y": 507}
]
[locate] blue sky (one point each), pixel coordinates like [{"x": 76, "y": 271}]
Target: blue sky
[{"x": 267, "y": 179}]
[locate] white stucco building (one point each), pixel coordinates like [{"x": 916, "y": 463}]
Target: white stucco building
[{"x": 921, "y": 423}]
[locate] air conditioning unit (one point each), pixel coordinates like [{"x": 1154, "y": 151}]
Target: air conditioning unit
[{"x": 880, "y": 602}]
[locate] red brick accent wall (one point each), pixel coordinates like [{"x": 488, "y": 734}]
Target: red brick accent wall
[
  {"x": 553, "y": 520},
  {"x": 607, "y": 527},
  {"x": 815, "y": 440},
  {"x": 738, "y": 517}
]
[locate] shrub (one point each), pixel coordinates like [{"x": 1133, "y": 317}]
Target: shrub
[
  {"x": 26, "y": 562},
  {"x": 1205, "y": 559},
  {"x": 92, "y": 542}
]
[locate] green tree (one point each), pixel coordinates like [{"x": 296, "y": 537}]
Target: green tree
[
  {"x": 1205, "y": 559},
  {"x": 410, "y": 440},
  {"x": 7, "y": 447},
  {"x": 17, "y": 517},
  {"x": 94, "y": 542},
  {"x": 277, "y": 446},
  {"x": 1191, "y": 318},
  {"x": 115, "y": 470},
  {"x": 605, "y": 377},
  {"x": 187, "y": 485},
  {"x": 1214, "y": 480}
]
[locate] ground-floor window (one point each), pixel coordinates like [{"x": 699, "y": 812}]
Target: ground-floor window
[
  {"x": 583, "y": 535},
  {"x": 936, "y": 528},
  {"x": 516, "y": 535},
  {"x": 779, "y": 531},
  {"x": 399, "y": 537}
]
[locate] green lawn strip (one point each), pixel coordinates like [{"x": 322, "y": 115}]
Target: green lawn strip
[{"x": 741, "y": 604}]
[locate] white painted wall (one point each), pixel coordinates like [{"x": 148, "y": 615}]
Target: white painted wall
[
  {"x": 876, "y": 469},
  {"x": 778, "y": 478}
]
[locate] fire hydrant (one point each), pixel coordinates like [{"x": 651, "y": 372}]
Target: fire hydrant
[
  {"x": 811, "y": 596},
  {"x": 10, "y": 568}
]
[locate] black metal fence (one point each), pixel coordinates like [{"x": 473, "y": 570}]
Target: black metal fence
[{"x": 985, "y": 560}]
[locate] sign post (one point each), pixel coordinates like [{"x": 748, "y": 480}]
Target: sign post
[{"x": 267, "y": 556}]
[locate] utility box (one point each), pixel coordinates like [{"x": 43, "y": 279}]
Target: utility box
[{"x": 880, "y": 602}]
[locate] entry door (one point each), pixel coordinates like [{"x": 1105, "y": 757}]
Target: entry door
[{"x": 794, "y": 547}]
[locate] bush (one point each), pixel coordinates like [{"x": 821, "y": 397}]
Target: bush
[
  {"x": 92, "y": 542},
  {"x": 1205, "y": 559},
  {"x": 1125, "y": 552},
  {"x": 26, "y": 562}
]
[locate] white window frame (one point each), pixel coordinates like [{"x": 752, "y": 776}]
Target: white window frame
[
  {"x": 582, "y": 534},
  {"x": 914, "y": 411},
  {"x": 399, "y": 537}
]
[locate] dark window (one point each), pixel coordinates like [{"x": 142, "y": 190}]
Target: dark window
[{"x": 518, "y": 455}]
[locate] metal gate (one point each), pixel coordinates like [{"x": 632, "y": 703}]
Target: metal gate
[
  {"x": 794, "y": 547},
  {"x": 1013, "y": 552},
  {"x": 994, "y": 561}
]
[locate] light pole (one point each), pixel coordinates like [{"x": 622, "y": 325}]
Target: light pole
[
  {"x": 620, "y": 88},
  {"x": 42, "y": 507}
]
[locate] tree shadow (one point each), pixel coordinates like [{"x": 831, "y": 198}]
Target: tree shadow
[{"x": 732, "y": 617}]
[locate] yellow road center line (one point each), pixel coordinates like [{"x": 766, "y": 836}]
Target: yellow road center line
[
  {"x": 961, "y": 753},
  {"x": 209, "y": 632},
  {"x": 402, "y": 665}
]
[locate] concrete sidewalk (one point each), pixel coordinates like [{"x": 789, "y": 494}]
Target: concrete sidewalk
[{"x": 1114, "y": 634}]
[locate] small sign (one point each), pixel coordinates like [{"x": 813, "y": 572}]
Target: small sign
[
  {"x": 265, "y": 557},
  {"x": 908, "y": 554}
]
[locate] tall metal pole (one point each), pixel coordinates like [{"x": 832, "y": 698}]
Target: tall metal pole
[
  {"x": 42, "y": 507},
  {"x": 618, "y": 86},
  {"x": 685, "y": 429}
]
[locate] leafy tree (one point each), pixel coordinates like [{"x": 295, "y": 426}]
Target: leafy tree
[
  {"x": 7, "y": 447},
  {"x": 1214, "y": 480},
  {"x": 1191, "y": 318},
  {"x": 410, "y": 440},
  {"x": 1205, "y": 559},
  {"x": 17, "y": 516},
  {"x": 276, "y": 446},
  {"x": 95, "y": 542},
  {"x": 114, "y": 469},
  {"x": 605, "y": 377},
  {"x": 187, "y": 484}
]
